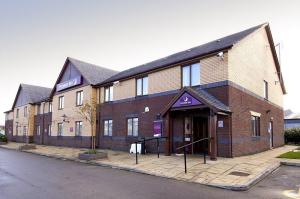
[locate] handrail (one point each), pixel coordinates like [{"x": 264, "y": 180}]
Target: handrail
[
  {"x": 192, "y": 143},
  {"x": 144, "y": 140},
  {"x": 189, "y": 144}
]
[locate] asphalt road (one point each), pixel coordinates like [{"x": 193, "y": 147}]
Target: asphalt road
[{"x": 28, "y": 176}]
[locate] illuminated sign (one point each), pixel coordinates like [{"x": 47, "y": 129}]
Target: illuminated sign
[
  {"x": 186, "y": 100},
  {"x": 68, "y": 84}
]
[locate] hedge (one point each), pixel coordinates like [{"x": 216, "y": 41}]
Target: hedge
[
  {"x": 292, "y": 135},
  {"x": 3, "y": 138}
]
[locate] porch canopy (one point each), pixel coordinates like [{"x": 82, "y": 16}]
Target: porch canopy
[{"x": 190, "y": 98}]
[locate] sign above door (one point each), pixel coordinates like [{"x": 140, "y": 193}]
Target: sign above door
[{"x": 186, "y": 100}]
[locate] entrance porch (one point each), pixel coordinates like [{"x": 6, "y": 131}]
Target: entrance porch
[{"x": 194, "y": 115}]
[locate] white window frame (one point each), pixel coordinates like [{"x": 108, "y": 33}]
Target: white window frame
[
  {"x": 107, "y": 127},
  {"x": 78, "y": 128},
  {"x": 133, "y": 127},
  {"x": 266, "y": 90},
  {"x": 190, "y": 70},
  {"x": 50, "y": 107},
  {"x": 61, "y": 102},
  {"x": 79, "y": 98},
  {"x": 109, "y": 94},
  {"x": 142, "y": 90},
  {"x": 60, "y": 129}
]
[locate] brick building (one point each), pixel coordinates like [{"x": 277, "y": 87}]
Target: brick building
[{"x": 229, "y": 90}]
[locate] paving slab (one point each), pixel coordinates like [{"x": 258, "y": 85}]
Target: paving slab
[{"x": 214, "y": 173}]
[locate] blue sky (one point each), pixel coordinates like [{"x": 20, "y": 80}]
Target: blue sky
[{"x": 36, "y": 36}]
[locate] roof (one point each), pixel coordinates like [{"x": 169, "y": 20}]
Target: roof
[
  {"x": 201, "y": 95},
  {"x": 205, "y": 49},
  {"x": 34, "y": 94},
  {"x": 92, "y": 73},
  {"x": 211, "y": 99}
]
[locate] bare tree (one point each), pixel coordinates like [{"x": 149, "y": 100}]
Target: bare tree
[{"x": 88, "y": 112}]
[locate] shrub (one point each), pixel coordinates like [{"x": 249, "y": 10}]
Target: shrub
[
  {"x": 3, "y": 138},
  {"x": 292, "y": 135},
  {"x": 91, "y": 151}
]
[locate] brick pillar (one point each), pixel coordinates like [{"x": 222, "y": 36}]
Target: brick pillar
[
  {"x": 213, "y": 135},
  {"x": 168, "y": 134}
]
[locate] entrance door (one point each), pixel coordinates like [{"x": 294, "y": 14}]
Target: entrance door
[
  {"x": 271, "y": 134},
  {"x": 200, "y": 131}
]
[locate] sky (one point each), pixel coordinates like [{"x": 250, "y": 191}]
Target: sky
[{"x": 36, "y": 36}]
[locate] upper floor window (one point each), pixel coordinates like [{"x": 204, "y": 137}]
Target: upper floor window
[
  {"x": 78, "y": 128},
  {"x": 61, "y": 102},
  {"x": 50, "y": 107},
  {"x": 255, "y": 125},
  {"x": 109, "y": 94},
  {"x": 79, "y": 98},
  {"x": 191, "y": 75},
  {"x": 60, "y": 129},
  {"x": 132, "y": 126},
  {"x": 17, "y": 114},
  {"x": 25, "y": 111},
  {"x": 108, "y": 125},
  {"x": 266, "y": 90},
  {"x": 142, "y": 86},
  {"x": 39, "y": 109}
]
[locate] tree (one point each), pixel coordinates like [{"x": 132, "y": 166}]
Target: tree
[{"x": 88, "y": 112}]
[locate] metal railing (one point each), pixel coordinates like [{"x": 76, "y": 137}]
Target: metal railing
[
  {"x": 189, "y": 144},
  {"x": 144, "y": 140}
]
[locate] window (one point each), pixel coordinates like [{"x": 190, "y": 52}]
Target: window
[
  {"x": 109, "y": 94},
  {"x": 79, "y": 98},
  {"x": 61, "y": 101},
  {"x": 78, "y": 128},
  {"x": 17, "y": 129},
  {"x": 25, "y": 130},
  {"x": 255, "y": 126},
  {"x": 191, "y": 75},
  {"x": 25, "y": 111},
  {"x": 17, "y": 115},
  {"x": 50, "y": 107},
  {"x": 38, "y": 130},
  {"x": 49, "y": 130},
  {"x": 132, "y": 126},
  {"x": 266, "y": 94},
  {"x": 39, "y": 109},
  {"x": 60, "y": 129},
  {"x": 142, "y": 86},
  {"x": 108, "y": 125}
]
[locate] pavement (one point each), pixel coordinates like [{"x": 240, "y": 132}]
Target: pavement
[
  {"x": 27, "y": 176},
  {"x": 238, "y": 173}
]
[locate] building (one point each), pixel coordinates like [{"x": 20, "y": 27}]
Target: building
[
  {"x": 291, "y": 120},
  {"x": 229, "y": 90}
]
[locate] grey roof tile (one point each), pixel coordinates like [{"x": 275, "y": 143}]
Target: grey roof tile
[
  {"x": 92, "y": 73},
  {"x": 36, "y": 93},
  {"x": 210, "y": 99},
  {"x": 214, "y": 46}
]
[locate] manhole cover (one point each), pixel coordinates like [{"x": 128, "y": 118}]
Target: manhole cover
[{"x": 238, "y": 173}]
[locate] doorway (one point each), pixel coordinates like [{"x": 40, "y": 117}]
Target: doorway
[{"x": 200, "y": 131}]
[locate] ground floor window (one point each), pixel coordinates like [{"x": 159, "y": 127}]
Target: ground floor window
[
  {"x": 255, "y": 125},
  {"x": 49, "y": 129},
  {"x": 132, "y": 126},
  {"x": 78, "y": 128},
  {"x": 25, "y": 130},
  {"x": 60, "y": 129},
  {"x": 108, "y": 125},
  {"x": 38, "y": 130}
]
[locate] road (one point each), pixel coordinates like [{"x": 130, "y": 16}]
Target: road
[{"x": 29, "y": 176}]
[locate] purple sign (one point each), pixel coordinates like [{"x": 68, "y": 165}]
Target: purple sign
[
  {"x": 157, "y": 128},
  {"x": 70, "y": 83},
  {"x": 186, "y": 100}
]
